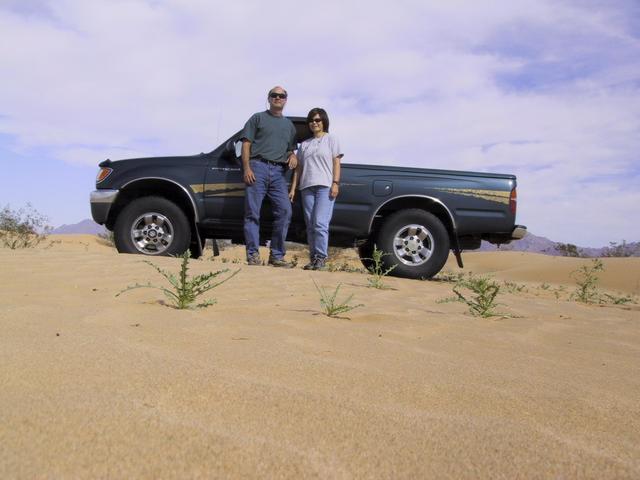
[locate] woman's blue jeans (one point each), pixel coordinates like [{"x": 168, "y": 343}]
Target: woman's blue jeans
[{"x": 318, "y": 209}]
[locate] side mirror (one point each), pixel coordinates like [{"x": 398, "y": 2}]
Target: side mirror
[{"x": 233, "y": 149}]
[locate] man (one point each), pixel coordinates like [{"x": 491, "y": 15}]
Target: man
[{"x": 268, "y": 142}]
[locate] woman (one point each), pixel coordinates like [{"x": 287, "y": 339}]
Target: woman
[{"x": 318, "y": 178}]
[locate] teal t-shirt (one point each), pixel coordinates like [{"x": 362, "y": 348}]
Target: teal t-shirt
[{"x": 271, "y": 137}]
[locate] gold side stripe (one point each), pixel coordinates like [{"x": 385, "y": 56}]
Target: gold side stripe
[
  {"x": 219, "y": 189},
  {"x": 498, "y": 196}
]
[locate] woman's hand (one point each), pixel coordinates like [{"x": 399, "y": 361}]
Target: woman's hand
[{"x": 292, "y": 194}]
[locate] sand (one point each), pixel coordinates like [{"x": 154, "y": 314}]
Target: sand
[{"x": 263, "y": 385}]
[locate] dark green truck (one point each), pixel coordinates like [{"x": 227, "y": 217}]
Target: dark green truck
[{"x": 166, "y": 205}]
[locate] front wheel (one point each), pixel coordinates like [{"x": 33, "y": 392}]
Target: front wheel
[
  {"x": 152, "y": 226},
  {"x": 365, "y": 252},
  {"x": 415, "y": 242}
]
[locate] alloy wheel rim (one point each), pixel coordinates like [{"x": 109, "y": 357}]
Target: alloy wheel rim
[
  {"x": 413, "y": 245},
  {"x": 152, "y": 233}
]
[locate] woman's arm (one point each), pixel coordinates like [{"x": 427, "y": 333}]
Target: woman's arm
[{"x": 335, "y": 185}]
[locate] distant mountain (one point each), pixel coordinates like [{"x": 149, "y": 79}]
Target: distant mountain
[
  {"x": 86, "y": 226},
  {"x": 530, "y": 243},
  {"x": 535, "y": 244}
]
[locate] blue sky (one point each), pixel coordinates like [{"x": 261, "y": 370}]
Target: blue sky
[{"x": 547, "y": 90}]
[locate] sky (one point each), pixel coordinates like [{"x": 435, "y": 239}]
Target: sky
[{"x": 547, "y": 90}]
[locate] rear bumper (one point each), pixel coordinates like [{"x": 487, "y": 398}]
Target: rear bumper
[
  {"x": 101, "y": 202},
  {"x": 518, "y": 232}
]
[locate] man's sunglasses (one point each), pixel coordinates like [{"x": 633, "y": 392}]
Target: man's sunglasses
[
  {"x": 315, "y": 120},
  {"x": 278, "y": 95}
]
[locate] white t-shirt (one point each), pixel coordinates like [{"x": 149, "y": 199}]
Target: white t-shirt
[{"x": 316, "y": 157}]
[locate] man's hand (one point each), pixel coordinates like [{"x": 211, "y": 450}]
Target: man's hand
[
  {"x": 292, "y": 194},
  {"x": 333, "y": 193},
  {"x": 292, "y": 161},
  {"x": 248, "y": 177}
]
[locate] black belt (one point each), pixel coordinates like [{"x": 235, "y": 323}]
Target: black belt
[{"x": 270, "y": 162}]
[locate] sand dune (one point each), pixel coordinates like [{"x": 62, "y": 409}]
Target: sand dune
[{"x": 262, "y": 385}]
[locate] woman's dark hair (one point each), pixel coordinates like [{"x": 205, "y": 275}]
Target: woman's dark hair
[{"x": 323, "y": 115}]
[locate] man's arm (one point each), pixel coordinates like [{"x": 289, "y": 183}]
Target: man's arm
[
  {"x": 292, "y": 161},
  {"x": 294, "y": 181},
  {"x": 248, "y": 176}
]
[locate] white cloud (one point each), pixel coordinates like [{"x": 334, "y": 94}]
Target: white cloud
[{"x": 546, "y": 90}]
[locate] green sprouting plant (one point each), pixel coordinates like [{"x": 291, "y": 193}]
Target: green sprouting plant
[
  {"x": 331, "y": 307},
  {"x": 23, "y": 228},
  {"x": 483, "y": 301},
  {"x": 344, "y": 267},
  {"x": 184, "y": 291},
  {"x": 617, "y": 300},
  {"x": 587, "y": 278},
  {"x": 513, "y": 287},
  {"x": 377, "y": 272}
]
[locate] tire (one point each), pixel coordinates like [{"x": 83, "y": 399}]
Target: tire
[
  {"x": 152, "y": 226},
  {"x": 415, "y": 242},
  {"x": 365, "y": 252}
]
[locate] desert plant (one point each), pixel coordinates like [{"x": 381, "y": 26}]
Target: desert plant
[
  {"x": 331, "y": 307},
  {"x": 483, "y": 301},
  {"x": 377, "y": 272},
  {"x": 185, "y": 291},
  {"x": 107, "y": 238},
  {"x": 587, "y": 279},
  {"x": 447, "y": 276},
  {"x": 513, "y": 287},
  {"x": 617, "y": 299},
  {"x": 23, "y": 228},
  {"x": 568, "y": 250},
  {"x": 344, "y": 267},
  {"x": 618, "y": 250}
]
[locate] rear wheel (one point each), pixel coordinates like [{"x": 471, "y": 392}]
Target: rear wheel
[
  {"x": 415, "y": 242},
  {"x": 152, "y": 226}
]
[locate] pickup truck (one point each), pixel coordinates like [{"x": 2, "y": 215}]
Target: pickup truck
[{"x": 166, "y": 205}]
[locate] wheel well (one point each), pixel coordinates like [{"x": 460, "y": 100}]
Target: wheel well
[
  {"x": 424, "y": 203},
  {"x": 147, "y": 188}
]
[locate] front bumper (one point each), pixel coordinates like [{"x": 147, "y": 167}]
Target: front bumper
[{"x": 101, "y": 202}]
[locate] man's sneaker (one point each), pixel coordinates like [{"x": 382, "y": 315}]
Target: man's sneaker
[
  {"x": 254, "y": 260},
  {"x": 319, "y": 264},
  {"x": 310, "y": 265},
  {"x": 278, "y": 262}
]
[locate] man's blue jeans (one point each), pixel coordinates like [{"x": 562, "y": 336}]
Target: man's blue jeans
[
  {"x": 318, "y": 209},
  {"x": 270, "y": 181}
]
